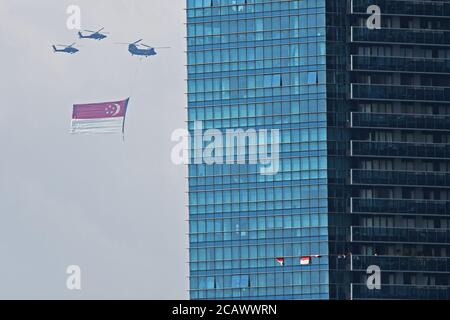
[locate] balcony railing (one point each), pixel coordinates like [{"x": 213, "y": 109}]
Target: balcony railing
[
  {"x": 399, "y": 64},
  {"x": 400, "y": 149},
  {"x": 403, "y": 292},
  {"x": 400, "y": 206},
  {"x": 360, "y": 91},
  {"x": 392, "y": 263},
  {"x": 391, "y": 35},
  {"x": 403, "y": 7},
  {"x": 400, "y": 178},
  {"x": 409, "y": 235},
  {"x": 400, "y": 121}
]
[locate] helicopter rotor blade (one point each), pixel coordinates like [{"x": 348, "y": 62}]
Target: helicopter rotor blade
[
  {"x": 89, "y": 31},
  {"x": 154, "y": 47},
  {"x": 137, "y": 41},
  {"x": 100, "y": 30}
]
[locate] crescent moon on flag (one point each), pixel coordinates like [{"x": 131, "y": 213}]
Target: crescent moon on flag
[{"x": 118, "y": 108}]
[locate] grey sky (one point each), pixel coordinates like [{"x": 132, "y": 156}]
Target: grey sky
[{"x": 115, "y": 209}]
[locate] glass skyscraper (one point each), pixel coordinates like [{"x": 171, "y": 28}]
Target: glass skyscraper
[{"x": 364, "y": 158}]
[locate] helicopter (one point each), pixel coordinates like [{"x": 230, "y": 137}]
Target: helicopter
[
  {"x": 67, "y": 49},
  {"x": 95, "y": 35},
  {"x": 136, "y": 49}
]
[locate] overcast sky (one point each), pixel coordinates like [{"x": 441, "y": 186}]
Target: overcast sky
[{"x": 115, "y": 209}]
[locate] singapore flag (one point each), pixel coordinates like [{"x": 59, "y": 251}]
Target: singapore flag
[
  {"x": 280, "y": 261},
  {"x": 104, "y": 117},
  {"x": 305, "y": 261}
]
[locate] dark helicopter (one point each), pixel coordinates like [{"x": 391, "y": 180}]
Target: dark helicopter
[
  {"x": 95, "y": 35},
  {"x": 67, "y": 49},
  {"x": 136, "y": 49}
]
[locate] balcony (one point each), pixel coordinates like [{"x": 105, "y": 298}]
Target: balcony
[
  {"x": 400, "y": 150},
  {"x": 400, "y": 206},
  {"x": 401, "y": 292},
  {"x": 403, "y": 235},
  {"x": 400, "y": 36},
  {"x": 400, "y": 121},
  {"x": 402, "y": 7},
  {"x": 399, "y": 64},
  {"x": 379, "y": 92},
  {"x": 401, "y": 263},
  {"x": 400, "y": 178}
]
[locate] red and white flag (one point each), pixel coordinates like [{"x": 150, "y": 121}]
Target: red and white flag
[
  {"x": 104, "y": 117},
  {"x": 305, "y": 260},
  {"x": 280, "y": 261}
]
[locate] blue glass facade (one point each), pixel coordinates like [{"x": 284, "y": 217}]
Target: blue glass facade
[
  {"x": 259, "y": 64},
  {"x": 364, "y": 120}
]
